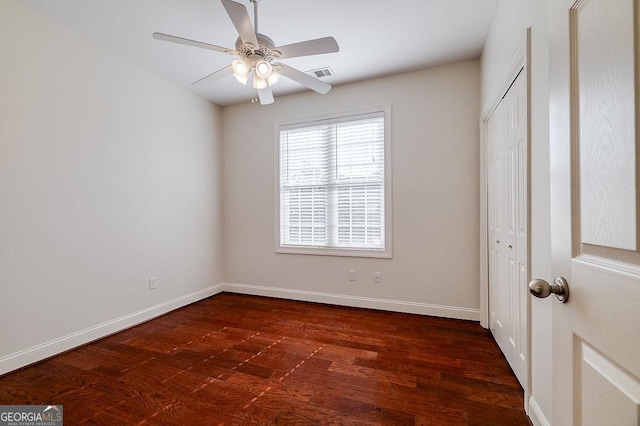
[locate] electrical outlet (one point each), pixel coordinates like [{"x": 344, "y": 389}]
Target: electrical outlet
[
  {"x": 352, "y": 274},
  {"x": 377, "y": 277},
  {"x": 152, "y": 283}
]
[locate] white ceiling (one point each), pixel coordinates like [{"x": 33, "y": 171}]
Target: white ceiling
[{"x": 376, "y": 37}]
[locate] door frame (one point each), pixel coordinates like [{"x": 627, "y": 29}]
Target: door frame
[{"x": 520, "y": 62}]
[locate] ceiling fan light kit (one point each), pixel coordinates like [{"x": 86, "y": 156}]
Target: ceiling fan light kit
[
  {"x": 241, "y": 70},
  {"x": 256, "y": 54},
  {"x": 264, "y": 69}
]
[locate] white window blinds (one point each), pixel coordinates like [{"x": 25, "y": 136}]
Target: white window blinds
[{"x": 332, "y": 184}]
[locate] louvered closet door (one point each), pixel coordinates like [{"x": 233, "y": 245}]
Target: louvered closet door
[{"x": 508, "y": 245}]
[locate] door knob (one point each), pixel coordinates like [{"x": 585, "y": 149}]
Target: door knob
[{"x": 542, "y": 289}]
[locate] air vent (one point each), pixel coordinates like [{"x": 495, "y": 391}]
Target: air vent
[{"x": 321, "y": 72}]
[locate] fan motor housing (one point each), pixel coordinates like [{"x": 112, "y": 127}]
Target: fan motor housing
[{"x": 263, "y": 51}]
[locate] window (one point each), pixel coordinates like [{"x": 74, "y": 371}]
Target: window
[{"x": 334, "y": 191}]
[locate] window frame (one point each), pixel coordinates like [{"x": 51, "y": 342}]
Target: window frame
[{"x": 388, "y": 186}]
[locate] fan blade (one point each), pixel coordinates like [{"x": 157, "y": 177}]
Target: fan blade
[
  {"x": 307, "y": 48},
  {"x": 302, "y": 78},
  {"x": 187, "y": 42},
  {"x": 240, "y": 18},
  {"x": 266, "y": 96},
  {"x": 215, "y": 76}
]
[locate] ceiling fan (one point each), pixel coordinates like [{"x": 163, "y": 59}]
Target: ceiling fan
[{"x": 257, "y": 53}]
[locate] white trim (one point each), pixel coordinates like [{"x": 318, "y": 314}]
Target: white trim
[
  {"x": 356, "y": 301},
  {"x": 536, "y": 415},
  {"x": 484, "y": 223},
  {"x": 56, "y": 346},
  {"x": 517, "y": 63},
  {"x": 529, "y": 362},
  {"x": 321, "y": 251},
  {"x": 332, "y": 118},
  {"x": 333, "y": 115},
  {"x": 520, "y": 62},
  {"x": 388, "y": 184}
]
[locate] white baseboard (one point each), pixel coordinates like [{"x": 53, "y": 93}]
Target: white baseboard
[
  {"x": 357, "y": 301},
  {"x": 536, "y": 415},
  {"x": 53, "y": 347},
  {"x": 48, "y": 349}
]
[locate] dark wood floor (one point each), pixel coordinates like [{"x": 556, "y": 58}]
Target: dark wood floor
[{"x": 234, "y": 359}]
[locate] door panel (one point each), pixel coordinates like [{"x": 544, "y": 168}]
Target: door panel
[
  {"x": 608, "y": 392},
  {"x": 594, "y": 139},
  {"x": 603, "y": 33}
]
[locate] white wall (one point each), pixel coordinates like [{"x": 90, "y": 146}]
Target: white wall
[
  {"x": 109, "y": 175},
  {"x": 507, "y": 31},
  {"x": 435, "y": 197}
]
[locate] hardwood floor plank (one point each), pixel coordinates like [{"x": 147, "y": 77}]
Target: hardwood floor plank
[
  {"x": 370, "y": 413},
  {"x": 312, "y": 418},
  {"x": 374, "y": 374},
  {"x": 233, "y": 359},
  {"x": 438, "y": 416}
]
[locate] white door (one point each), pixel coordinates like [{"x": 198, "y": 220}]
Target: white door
[
  {"x": 507, "y": 220},
  {"x": 594, "y": 202}
]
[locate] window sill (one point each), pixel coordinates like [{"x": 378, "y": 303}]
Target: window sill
[{"x": 334, "y": 252}]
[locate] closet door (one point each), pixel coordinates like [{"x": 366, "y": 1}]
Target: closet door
[{"x": 508, "y": 225}]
